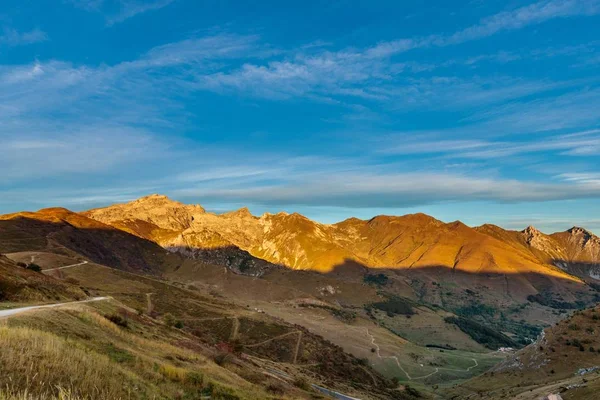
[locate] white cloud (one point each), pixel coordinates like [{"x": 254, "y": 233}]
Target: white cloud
[
  {"x": 376, "y": 189},
  {"x": 12, "y": 37},
  {"x": 120, "y": 10},
  {"x": 535, "y": 13},
  {"x": 575, "y": 144},
  {"x": 131, "y": 8}
]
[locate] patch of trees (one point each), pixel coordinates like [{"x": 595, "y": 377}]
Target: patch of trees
[
  {"x": 547, "y": 300},
  {"x": 441, "y": 346},
  {"x": 376, "y": 279},
  {"x": 476, "y": 309},
  {"x": 488, "y": 337},
  {"x": 395, "y": 306},
  {"x": 595, "y": 286}
]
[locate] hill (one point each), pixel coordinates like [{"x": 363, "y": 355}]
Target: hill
[
  {"x": 153, "y": 339},
  {"x": 19, "y": 284},
  {"x": 564, "y": 360},
  {"x": 60, "y": 231}
]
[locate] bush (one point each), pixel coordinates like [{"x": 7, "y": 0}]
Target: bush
[
  {"x": 172, "y": 322},
  {"x": 302, "y": 383},
  {"x": 412, "y": 391},
  {"x": 34, "y": 267},
  {"x": 194, "y": 378},
  {"x": 276, "y": 387},
  {"x": 117, "y": 320},
  {"x": 222, "y": 358}
]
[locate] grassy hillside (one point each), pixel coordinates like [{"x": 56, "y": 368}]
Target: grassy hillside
[
  {"x": 164, "y": 341},
  {"x": 566, "y": 360},
  {"x": 21, "y": 285}
]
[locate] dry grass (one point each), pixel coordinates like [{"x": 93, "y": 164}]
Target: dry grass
[
  {"x": 31, "y": 358},
  {"x": 82, "y": 350},
  {"x": 62, "y": 394}
]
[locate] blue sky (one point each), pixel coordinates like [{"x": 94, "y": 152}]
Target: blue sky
[{"x": 483, "y": 111}]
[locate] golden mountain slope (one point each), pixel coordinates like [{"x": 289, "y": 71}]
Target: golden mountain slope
[{"x": 407, "y": 242}]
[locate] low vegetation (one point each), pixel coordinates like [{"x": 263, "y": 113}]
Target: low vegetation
[
  {"x": 488, "y": 337},
  {"x": 376, "y": 279},
  {"x": 395, "y": 306},
  {"x": 546, "y": 299}
]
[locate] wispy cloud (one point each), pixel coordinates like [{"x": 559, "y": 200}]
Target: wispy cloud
[
  {"x": 118, "y": 11},
  {"x": 575, "y": 144},
  {"x": 12, "y": 37},
  {"x": 131, "y": 8},
  {"x": 394, "y": 190},
  {"x": 536, "y": 13}
]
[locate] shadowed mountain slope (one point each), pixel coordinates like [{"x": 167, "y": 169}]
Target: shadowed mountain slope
[{"x": 58, "y": 230}]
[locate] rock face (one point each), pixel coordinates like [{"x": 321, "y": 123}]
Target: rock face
[
  {"x": 413, "y": 241},
  {"x": 155, "y": 209}
]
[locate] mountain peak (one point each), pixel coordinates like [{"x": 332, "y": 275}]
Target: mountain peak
[
  {"x": 531, "y": 230},
  {"x": 243, "y": 212},
  {"x": 579, "y": 230},
  {"x": 154, "y": 198}
]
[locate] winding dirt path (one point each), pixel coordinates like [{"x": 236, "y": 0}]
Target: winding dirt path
[
  {"x": 16, "y": 311},
  {"x": 437, "y": 369},
  {"x": 65, "y": 267},
  {"x": 273, "y": 338},
  {"x": 235, "y": 329}
]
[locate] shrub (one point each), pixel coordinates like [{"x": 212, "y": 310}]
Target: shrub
[
  {"x": 412, "y": 391},
  {"x": 302, "y": 383},
  {"x": 34, "y": 267},
  {"x": 172, "y": 322},
  {"x": 222, "y": 358},
  {"x": 194, "y": 378},
  {"x": 276, "y": 387},
  {"x": 117, "y": 320}
]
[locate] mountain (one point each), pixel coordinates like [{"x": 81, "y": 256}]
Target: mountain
[
  {"x": 408, "y": 242},
  {"x": 416, "y": 299},
  {"x": 60, "y": 231},
  {"x": 514, "y": 281}
]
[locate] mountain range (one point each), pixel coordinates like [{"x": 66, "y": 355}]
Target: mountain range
[
  {"x": 415, "y": 298},
  {"x": 407, "y": 242}
]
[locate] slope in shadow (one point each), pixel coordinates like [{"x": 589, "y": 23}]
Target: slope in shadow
[{"x": 83, "y": 237}]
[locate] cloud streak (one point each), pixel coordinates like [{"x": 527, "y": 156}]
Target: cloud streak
[
  {"x": 12, "y": 37},
  {"x": 118, "y": 11}
]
